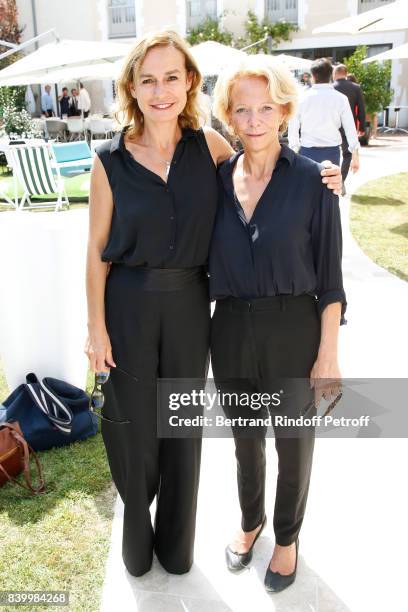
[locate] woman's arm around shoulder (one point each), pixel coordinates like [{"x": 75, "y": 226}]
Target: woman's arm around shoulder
[{"x": 220, "y": 149}]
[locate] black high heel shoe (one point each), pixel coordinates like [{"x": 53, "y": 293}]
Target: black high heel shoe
[
  {"x": 275, "y": 582},
  {"x": 239, "y": 561}
]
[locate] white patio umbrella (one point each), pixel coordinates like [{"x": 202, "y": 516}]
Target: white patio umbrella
[
  {"x": 63, "y": 54},
  {"x": 400, "y": 52},
  {"x": 293, "y": 62},
  {"x": 212, "y": 56},
  {"x": 107, "y": 70},
  {"x": 392, "y": 16}
]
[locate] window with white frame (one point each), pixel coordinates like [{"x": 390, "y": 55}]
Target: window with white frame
[
  {"x": 367, "y": 5},
  {"x": 121, "y": 18},
  {"x": 199, "y": 10},
  {"x": 277, "y": 10}
]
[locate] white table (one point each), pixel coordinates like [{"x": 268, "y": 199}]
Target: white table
[{"x": 396, "y": 128}]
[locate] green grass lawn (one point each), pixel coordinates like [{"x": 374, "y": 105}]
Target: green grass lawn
[
  {"x": 379, "y": 222},
  {"x": 59, "y": 540},
  {"x": 77, "y": 188}
]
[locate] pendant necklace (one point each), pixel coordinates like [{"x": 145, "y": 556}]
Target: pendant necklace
[{"x": 166, "y": 162}]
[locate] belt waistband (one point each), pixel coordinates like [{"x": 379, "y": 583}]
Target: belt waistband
[
  {"x": 163, "y": 279},
  {"x": 275, "y": 302}
]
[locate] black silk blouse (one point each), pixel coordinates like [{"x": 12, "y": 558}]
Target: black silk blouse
[
  {"x": 292, "y": 244},
  {"x": 158, "y": 224}
]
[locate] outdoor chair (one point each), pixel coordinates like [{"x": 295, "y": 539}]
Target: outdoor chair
[
  {"x": 95, "y": 143},
  {"x": 73, "y": 157},
  {"x": 34, "y": 165},
  {"x": 40, "y": 125},
  {"x": 56, "y": 129},
  {"x": 13, "y": 201},
  {"x": 8, "y": 201},
  {"x": 100, "y": 127},
  {"x": 76, "y": 128}
]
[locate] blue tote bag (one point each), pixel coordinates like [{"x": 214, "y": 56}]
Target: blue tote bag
[{"x": 50, "y": 412}]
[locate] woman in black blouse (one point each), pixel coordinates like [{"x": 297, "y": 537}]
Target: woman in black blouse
[
  {"x": 152, "y": 206},
  {"x": 275, "y": 271}
]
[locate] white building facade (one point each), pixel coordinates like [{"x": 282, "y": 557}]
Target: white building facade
[{"x": 124, "y": 20}]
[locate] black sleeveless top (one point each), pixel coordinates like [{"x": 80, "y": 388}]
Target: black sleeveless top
[{"x": 158, "y": 224}]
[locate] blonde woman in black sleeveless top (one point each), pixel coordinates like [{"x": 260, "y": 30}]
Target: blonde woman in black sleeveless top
[{"x": 152, "y": 208}]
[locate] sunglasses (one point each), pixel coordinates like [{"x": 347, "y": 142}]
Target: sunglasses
[
  {"x": 97, "y": 398},
  {"x": 329, "y": 408}
]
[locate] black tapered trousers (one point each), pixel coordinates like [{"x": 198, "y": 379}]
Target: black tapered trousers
[
  {"x": 158, "y": 322},
  {"x": 269, "y": 345}
]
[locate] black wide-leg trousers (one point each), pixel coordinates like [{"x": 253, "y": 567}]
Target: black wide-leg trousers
[
  {"x": 158, "y": 322},
  {"x": 269, "y": 345}
]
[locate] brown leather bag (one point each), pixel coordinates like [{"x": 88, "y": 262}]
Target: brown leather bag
[{"x": 15, "y": 458}]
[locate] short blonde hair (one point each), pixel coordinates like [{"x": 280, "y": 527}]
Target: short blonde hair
[
  {"x": 281, "y": 86},
  {"x": 127, "y": 111}
]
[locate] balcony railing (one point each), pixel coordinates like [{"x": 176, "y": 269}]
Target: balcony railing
[
  {"x": 199, "y": 10},
  {"x": 367, "y": 5},
  {"x": 277, "y": 10},
  {"x": 122, "y": 20}
]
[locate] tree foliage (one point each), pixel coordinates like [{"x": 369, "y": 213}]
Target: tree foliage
[
  {"x": 254, "y": 31},
  {"x": 10, "y": 32},
  {"x": 209, "y": 30},
  {"x": 374, "y": 79},
  {"x": 9, "y": 29}
]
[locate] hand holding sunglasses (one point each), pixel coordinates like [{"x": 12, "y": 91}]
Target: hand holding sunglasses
[{"x": 97, "y": 398}]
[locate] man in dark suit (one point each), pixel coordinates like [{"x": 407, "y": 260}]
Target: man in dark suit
[
  {"x": 356, "y": 101},
  {"x": 74, "y": 110},
  {"x": 64, "y": 102}
]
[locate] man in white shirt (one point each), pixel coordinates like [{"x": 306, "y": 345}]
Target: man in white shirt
[
  {"x": 322, "y": 111},
  {"x": 84, "y": 103},
  {"x": 47, "y": 104}
]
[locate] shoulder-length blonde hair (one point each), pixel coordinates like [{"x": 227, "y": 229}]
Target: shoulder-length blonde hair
[
  {"x": 280, "y": 83},
  {"x": 127, "y": 111}
]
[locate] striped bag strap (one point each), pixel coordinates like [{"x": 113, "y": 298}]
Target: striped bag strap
[
  {"x": 35, "y": 168},
  {"x": 50, "y": 404}
]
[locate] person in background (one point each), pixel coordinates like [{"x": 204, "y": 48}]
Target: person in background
[
  {"x": 47, "y": 106},
  {"x": 74, "y": 110},
  {"x": 205, "y": 100},
  {"x": 351, "y": 77},
  {"x": 314, "y": 130},
  {"x": 356, "y": 100},
  {"x": 64, "y": 102},
  {"x": 305, "y": 80},
  {"x": 84, "y": 100}
]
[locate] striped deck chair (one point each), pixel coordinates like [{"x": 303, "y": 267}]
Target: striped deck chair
[
  {"x": 34, "y": 165},
  {"x": 5, "y": 199},
  {"x": 12, "y": 200},
  {"x": 9, "y": 201}
]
